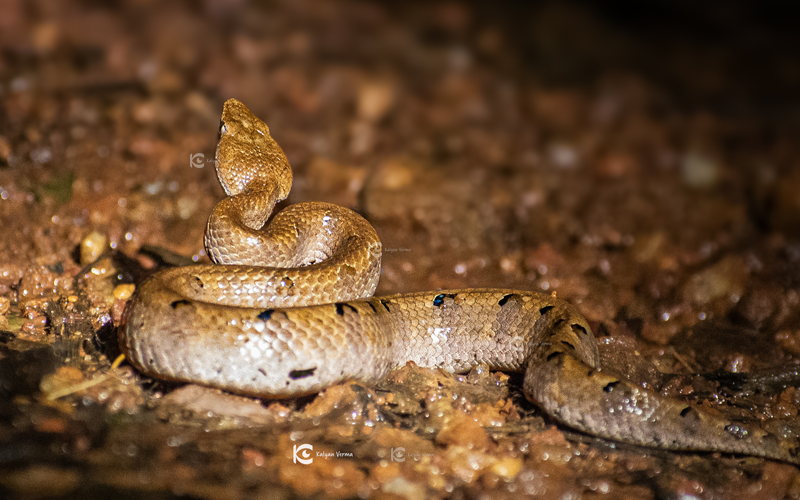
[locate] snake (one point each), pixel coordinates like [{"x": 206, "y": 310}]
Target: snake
[{"x": 286, "y": 308}]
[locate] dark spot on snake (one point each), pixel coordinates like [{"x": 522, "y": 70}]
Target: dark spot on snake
[
  {"x": 568, "y": 344},
  {"x": 545, "y": 309},
  {"x": 340, "y": 308},
  {"x": 439, "y": 299},
  {"x": 373, "y": 307},
  {"x": 554, "y": 355},
  {"x": 579, "y": 329},
  {"x": 610, "y": 386},
  {"x": 686, "y": 411},
  {"x": 298, "y": 374},
  {"x": 262, "y": 372},
  {"x": 199, "y": 281},
  {"x": 736, "y": 431},
  {"x": 182, "y": 302},
  {"x": 266, "y": 314},
  {"x": 505, "y": 298},
  {"x": 385, "y": 303},
  {"x": 590, "y": 373}
]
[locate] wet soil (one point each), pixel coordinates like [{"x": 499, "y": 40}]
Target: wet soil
[{"x": 641, "y": 162}]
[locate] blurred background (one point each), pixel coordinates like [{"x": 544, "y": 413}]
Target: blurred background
[{"x": 640, "y": 159}]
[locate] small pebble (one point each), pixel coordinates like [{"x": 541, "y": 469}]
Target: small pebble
[
  {"x": 699, "y": 171},
  {"x": 92, "y": 247},
  {"x": 507, "y": 467},
  {"x": 124, "y": 292},
  {"x": 375, "y": 99}
]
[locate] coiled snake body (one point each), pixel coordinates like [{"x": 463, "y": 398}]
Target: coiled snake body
[{"x": 288, "y": 310}]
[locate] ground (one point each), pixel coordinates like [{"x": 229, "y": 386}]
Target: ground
[{"x": 640, "y": 162}]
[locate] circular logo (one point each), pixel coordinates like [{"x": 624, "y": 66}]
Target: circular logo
[
  {"x": 302, "y": 454},
  {"x": 375, "y": 249},
  {"x": 197, "y": 160}
]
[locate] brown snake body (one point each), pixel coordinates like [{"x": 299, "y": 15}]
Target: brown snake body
[{"x": 290, "y": 311}]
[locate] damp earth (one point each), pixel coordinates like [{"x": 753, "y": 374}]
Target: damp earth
[{"x": 640, "y": 162}]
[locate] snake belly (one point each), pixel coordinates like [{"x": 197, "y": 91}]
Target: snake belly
[{"x": 288, "y": 310}]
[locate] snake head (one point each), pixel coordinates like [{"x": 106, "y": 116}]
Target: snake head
[{"x": 246, "y": 152}]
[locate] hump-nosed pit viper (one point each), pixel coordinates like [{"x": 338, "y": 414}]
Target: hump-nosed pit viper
[{"x": 287, "y": 309}]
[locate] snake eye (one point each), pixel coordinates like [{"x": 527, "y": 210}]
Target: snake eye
[{"x": 222, "y": 129}]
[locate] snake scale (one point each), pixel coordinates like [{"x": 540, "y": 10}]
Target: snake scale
[{"x": 288, "y": 310}]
